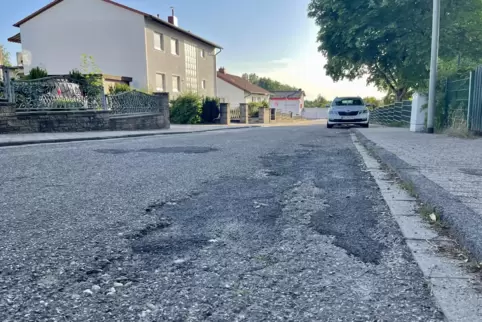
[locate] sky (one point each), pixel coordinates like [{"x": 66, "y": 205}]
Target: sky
[{"x": 272, "y": 38}]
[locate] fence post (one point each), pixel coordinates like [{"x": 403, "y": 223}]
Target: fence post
[
  {"x": 164, "y": 108},
  {"x": 264, "y": 115},
  {"x": 225, "y": 113},
  {"x": 7, "y": 81},
  {"x": 417, "y": 117},
  {"x": 445, "y": 115},
  {"x": 470, "y": 102},
  {"x": 244, "y": 113}
]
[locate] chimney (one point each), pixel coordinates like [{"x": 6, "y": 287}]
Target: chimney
[
  {"x": 172, "y": 19},
  {"x": 222, "y": 70}
]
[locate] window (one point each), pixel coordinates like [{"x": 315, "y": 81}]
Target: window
[
  {"x": 175, "y": 46},
  {"x": 253, "y": 99},
  {"x": 259, "y": 99},
  {"x": 176, "y": 83},
  {"x": 203, "y": 84},
  {"x": 158, "y": 41},
  {"x": 190, "y": 56},
  {"x": 203, "y": 53},
  {"x": 348, "y": 102},
  {"x": 160, "y": 82}
]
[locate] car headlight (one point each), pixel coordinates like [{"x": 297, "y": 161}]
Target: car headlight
[
  {"x": 332, "y": 112},
  {"x": 363, "y": 112}
]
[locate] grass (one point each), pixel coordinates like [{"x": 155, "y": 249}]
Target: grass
[
  {"x": 409, "y": 187},
  {"x": 432, "y": 216},
  {"x": 458, "y": 126}
]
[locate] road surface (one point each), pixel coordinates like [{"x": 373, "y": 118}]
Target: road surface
[{"x": 263, "y": 224}]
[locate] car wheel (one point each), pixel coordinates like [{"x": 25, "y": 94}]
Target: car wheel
[{"x": 329, "y": 125}]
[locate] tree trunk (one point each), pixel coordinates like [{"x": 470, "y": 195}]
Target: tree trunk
[{"x": 400, "y": 94}]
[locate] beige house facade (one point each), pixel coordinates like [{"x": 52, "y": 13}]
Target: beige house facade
[{"x": 156, "y": 54}]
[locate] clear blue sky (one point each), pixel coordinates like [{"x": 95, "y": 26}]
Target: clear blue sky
[{"x": 273, "y": 38}]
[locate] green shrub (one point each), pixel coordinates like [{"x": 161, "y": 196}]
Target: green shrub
[
  {"x": 253, "y": 108},
  {"x": 119, "y": 88},
  {"x": 36, "y": 73},
  {"x": 186, "y": 109},
  {"x": 210, "y": 110},
  {"x": 90, "y": 84},
  {"x": 68, "y": 104}
]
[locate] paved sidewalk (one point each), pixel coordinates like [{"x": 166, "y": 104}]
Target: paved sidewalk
[
  {"x": 34, "y": 138},
  {"x": 451, "y": 163}
]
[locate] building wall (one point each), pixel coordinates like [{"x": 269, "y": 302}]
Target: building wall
[
  {"x": 114, "y": 37},
  {"x": 287, "y": 105},
  {"x": 229, "y": 93},
  {"x": 257, "y": 98},
  {"x": 170, "y": 65},
  {"x": 315, "y": 113}
]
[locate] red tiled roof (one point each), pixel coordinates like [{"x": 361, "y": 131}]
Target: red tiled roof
[
  {"x": 242, "y": 83},
  {"x": 156, "y": 19}
]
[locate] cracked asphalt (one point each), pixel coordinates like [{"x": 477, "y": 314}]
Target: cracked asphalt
[{"x": 263, "y": 224}]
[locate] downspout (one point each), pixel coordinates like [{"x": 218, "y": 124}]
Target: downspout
[{"x": 216, "y": 72}]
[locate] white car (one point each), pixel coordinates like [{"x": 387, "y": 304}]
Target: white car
[{"x": 348, "y": 111}]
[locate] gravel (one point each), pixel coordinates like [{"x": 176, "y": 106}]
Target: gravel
[{"x": 262, "y": 224}]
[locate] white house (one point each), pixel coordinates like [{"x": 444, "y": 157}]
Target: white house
[
  {"x": 235, "y": 90},
  {"x": 158, "y": 55},
  {"x": 288, "y": 101}
]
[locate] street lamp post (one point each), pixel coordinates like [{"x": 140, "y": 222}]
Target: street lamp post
[{"x": 433, "y": 65}]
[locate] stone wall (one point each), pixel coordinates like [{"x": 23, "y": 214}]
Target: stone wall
[
  {"x": 12, "y": 121},
  {"x": 137, "y": 122}
]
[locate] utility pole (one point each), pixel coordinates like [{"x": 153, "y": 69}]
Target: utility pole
[{"x": 433, "y": 65}]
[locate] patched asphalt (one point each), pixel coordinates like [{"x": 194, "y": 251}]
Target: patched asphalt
[{"x": 265, "y": 224}]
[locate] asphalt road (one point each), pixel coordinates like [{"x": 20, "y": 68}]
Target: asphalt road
[{"x": 265, "y": 224}]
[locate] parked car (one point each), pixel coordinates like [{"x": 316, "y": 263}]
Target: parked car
[{"x": 348, "y": 111}]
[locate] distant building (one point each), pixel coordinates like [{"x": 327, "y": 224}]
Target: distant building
[
  {"x": 234, "y": 90},
  {"x": 288, "y": 101}
]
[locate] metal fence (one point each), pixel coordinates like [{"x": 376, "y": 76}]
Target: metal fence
[
  {"x": 133, "y": 102},
  {"x": 56, "y": 93},
  {"x": 66, "y": 93},
  {"x": 235, "y": 114},
  {"x": 397, "y": 114},
  {"x": 455, "y": 109}
]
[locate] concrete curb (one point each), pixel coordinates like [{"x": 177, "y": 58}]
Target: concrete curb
[
  {"x": 465, "y": 224},
  {"x": 94, "y": 138}
]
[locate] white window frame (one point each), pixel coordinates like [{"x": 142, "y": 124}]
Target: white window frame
[
  {"x": 161, "y": 41},
  {"x": 175, "y": 50},
  {"x": 178, "y": 90},
  {"x": 163, "y": 80}
]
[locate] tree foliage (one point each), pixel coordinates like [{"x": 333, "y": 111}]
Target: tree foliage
[
  {"x": 388, "y": 41},
  {"x": 268, "y": 83},
  {"x": 319, "y": 101},
  {"x": 186, "y": 109},
  {"x": 4, "y": 56}
]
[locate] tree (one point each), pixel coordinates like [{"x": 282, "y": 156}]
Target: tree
[
  {"x": 389, "y": 41},
  {"x": 4, "y": 56},
  {"x": 372, "y": 101},
  {"x": 320, "y": 101},
  {"x": 268, "y": 83}
]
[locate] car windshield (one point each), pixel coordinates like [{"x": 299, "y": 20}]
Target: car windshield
[{"x": 349, "y": 102}]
